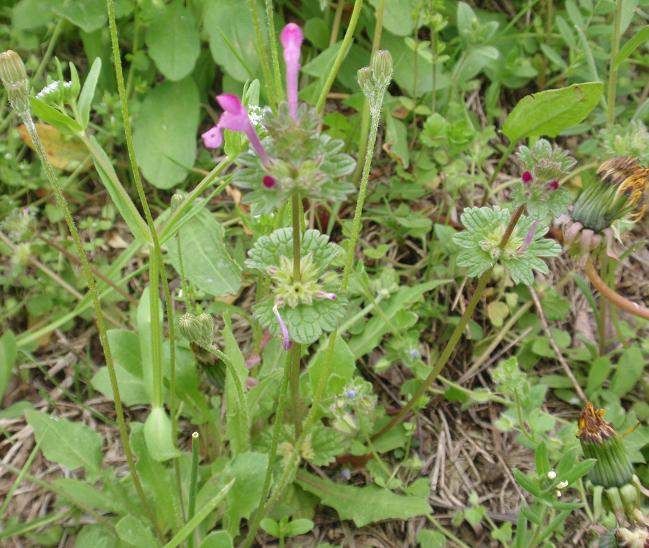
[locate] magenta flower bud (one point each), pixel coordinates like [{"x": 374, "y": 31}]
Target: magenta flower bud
[
  {"x": 528, "y": 238},
  {"x": 251, "y": 381},
  {"x": 286, "y": 342},
  {"x": 526, "y": 177},
  {"x": 325, "y": 295},
  {"x": 292, "y": 38},
  {"x": 269, "y": 182},
  {"x": 235, "y": 118},
  {"x": 553, "y": 185}
]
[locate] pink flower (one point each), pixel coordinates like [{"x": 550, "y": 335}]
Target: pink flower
[
  {"x": 325, "y": 295},
  {"x": 286, "y": 342},
  {"x": 234, "y": 118},
  {"x": 553, "y": 185},
  {"x": 526, "y": 177},
  {"x": 268, "y": 181},
  {"x": 292, "y": 38}
]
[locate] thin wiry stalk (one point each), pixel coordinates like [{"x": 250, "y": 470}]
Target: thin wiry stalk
[{"x": 99, "y": 319}]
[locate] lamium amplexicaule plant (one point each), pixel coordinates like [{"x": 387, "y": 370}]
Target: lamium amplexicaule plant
[{"x": 219, "y": 446}]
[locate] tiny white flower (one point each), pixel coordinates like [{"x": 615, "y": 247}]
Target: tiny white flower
[
  {"x": 558, "y": 493},
  {"x": 552, "y": 475},
  {"x": 562, "y": 485}
]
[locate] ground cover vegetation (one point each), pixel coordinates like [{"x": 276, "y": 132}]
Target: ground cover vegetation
[{"x": 324, "y": 273}]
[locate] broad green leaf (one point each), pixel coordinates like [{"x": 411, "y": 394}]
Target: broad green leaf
[
  {"x": 158, "y": 434},
  {"x": 89, "y": 15},
  {"x": 427, "y": 538},
  {"x": 88, "y": 92},
  {"x": 363, "y": 505},
  {"x": 550, "y": 112},
  {"x": 174, "y": 41},
  {"x": 639, "y": 38},
  {"x": 217, "y": 539},
  {"x": 158, "y": 480},
  {"x": 95, "y": 536},
  {"x": 134, "y": 533},
  {"x": 165, "y": 132},
  {"x": 398, "y": 16},
  {"x": 206, "y": 261},
  {"x": 628, "y": 371},
  {"x": 53, "y": 117},
  {"x": 248, "y": 471},
  {"x": 237, "y": 428},
  {"x": 85, "y": 495},
  {"x": 125, "y": 347},
  {"x": 30, "y": 14},
  {"x": 342, "y": 370},
  {"x": 200, "y": 515},
  {"x": 71, "y": 444},
  {"x": 232, "y": 37},
  {"x": 8, "y": 355},
  {"x": 377, "y": 326},
  {"x": 598, "y": 373}
]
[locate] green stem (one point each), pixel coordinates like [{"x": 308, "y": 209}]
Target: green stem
[
  {"x": 335, "y": 28},
  {"x": 342, "y": 53},
  {"x": 244, "y": 419},
  {"x": 455, "y": 336},
  {"x": 272, "y": 38},
  {"x": 261, "y": 53},
  {"x": 295, "y": 218},
  {"x": 365, "y": 116},
  {"x": 433, "y": 47},
  {"x": 294, "y": 366},
  {"x": 99, "y": 319},
  {"x": 294, "y": 363},
  {"x": 291, "y": 465},
  {"x": 192, "y": 485},
  {"x": 277, "y": 427},
  {"x": 50, "y": 49},
  {"x": 156, "y": 255},
  {"x": 612, "y": 74},
  {"x": 499, "y": 166}
]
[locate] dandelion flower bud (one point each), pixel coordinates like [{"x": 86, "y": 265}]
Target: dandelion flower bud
[
  {"x": 176, "y": 200},
  {"x": 364, "y": 77},
  {"x": 14, "y": 79},
  {"x": 600, "y": 441},
  {"x": 205, "y": 328},
  {"x": 381, "y": 66}
]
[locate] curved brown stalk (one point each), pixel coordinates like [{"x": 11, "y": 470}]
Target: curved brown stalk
[{"x": 611, "y": 295}]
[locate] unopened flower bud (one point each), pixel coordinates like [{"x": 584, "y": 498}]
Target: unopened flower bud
[
  {"x": 364, "y": 77},
  {"x": 381, "y": 66},
  {"x": 552, "y": 475},
  {"x": 205, "y": 326},
  {"x": 14, "y": 79},
  {"x": 176, "y": 200},
  {"x": 187, "y": 326}
]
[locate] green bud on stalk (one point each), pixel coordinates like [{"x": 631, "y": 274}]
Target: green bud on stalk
[
  {"x": 198, "y": 329},
  {"x": 14, "y": 79},
  {"x": 375, "y": 79}
]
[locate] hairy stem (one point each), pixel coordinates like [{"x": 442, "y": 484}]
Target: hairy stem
[
  {"x": 342, "y": 53},
  {"x": 612, "y": 73},
  {"x": 261, "y": 53},
  {"x": 279, "y": 418},
  {"x": 193, "y": 481},
  {"x": 455, "y": 336},
  {"x": 99, "y": 319},
  {"x": 294, "y": 362},
  {"x": 365, "y": 117}
]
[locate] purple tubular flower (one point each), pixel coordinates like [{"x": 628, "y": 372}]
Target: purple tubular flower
[
  {"x": 286, "y": 342},
  {"x": 292, "y": 38},
  {"x": 528, "y": 238},
  {"x": 234, "y": 118},
  {"x": 325, "y": 295}
]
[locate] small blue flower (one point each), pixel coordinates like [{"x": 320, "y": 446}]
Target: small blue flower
[
  {"x": 414, "y": 353},
  {"x": 350, "y": 393}
]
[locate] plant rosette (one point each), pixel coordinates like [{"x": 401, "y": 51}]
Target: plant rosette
[
  {"x": 523, "y": 253},
  {"x": 301, "y": 310}
]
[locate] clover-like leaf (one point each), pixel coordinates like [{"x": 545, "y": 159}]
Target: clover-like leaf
[{"x": 520, "y": 256}]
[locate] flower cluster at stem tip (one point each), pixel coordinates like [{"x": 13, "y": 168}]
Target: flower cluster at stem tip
[{"x": 292, "y": 155}]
